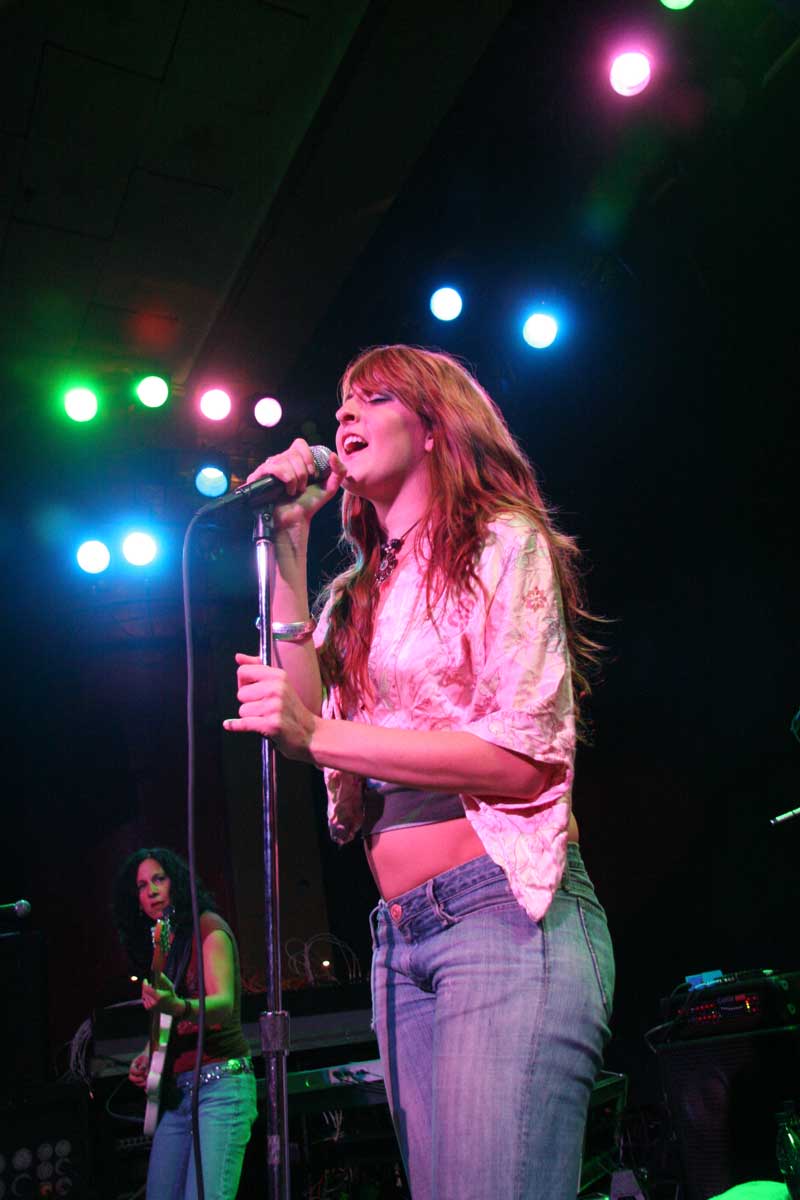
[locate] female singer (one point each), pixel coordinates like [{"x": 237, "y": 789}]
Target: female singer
[{"x": 437, "y": 693}]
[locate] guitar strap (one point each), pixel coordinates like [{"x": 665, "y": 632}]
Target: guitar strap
[{"x": 178, "y": 958}]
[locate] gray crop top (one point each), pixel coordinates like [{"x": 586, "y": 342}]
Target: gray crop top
[{"x": 394, "y": 806}]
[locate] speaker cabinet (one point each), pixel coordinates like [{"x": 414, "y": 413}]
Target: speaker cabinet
[
  {"x": 723, "y": 1094},
  {"x": 44, "y": 1143},
  {"x": 23, "y": 1010}
]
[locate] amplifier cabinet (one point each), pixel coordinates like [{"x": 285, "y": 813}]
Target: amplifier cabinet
[{"x": 723, "y": 1094}]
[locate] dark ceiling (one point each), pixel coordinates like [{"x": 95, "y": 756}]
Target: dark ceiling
[{"x": 178, "y": 173}]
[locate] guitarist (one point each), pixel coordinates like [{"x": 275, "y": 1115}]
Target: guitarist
[{"x": 151, "y": 889}]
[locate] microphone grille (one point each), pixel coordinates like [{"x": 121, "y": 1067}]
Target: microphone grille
[{"x": 322, "y": 461}]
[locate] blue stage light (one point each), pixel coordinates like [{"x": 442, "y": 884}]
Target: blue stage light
[
  {"x": 211, "y": 481},
  {"x": 540, "y": 330},
  {"x": 139, "y": 549},
  {"x": 93, "y": 557},
  {"x": 446, "y": 304}
]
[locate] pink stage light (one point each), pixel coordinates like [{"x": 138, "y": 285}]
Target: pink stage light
[
  {"x": 630, "y": 73},
  {"x": 268, "y": 411},
  {"x": 215, "y": 404}
]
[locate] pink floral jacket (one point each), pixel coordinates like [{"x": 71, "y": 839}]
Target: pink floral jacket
[{"x": 495, "y": 665}]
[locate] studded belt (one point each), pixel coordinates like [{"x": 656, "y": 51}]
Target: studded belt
[{"x": 215, "y": 1070}]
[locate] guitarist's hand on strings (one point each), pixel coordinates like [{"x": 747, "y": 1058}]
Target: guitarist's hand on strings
[
  {"x": 139, "y": 1068},
  {"x": 161, "y": 996}
]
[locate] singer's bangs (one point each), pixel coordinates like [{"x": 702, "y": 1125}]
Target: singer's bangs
[
  {"x": 396, "y": 369},
  {"x": 436, "y": 386}
]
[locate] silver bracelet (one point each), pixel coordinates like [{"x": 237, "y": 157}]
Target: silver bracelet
[{"x": 293, "y": 631}]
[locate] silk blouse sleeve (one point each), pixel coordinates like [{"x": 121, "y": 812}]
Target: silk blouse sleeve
[{"x": 522, "y": 697}]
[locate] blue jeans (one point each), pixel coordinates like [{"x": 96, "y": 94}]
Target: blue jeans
[
  {"x": 491, "y": 1029},
  {"x": 227, "y": 1110}
]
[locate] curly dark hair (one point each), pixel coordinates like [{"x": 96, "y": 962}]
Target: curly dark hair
[{"x": 132, "y": 925}]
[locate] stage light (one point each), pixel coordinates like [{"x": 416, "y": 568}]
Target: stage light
[
  {"x": 152, "y": 391},
  {"x": 268, "y": 411},
  {"x": 211, "y": 481},
  {"x": 93, "y": 557},
  {"x": 540, "y": 330},
  {"x": 80, "y": 403},
  {"x": 139, "y": 549},
  {"x": 215, "y": 404},
  {"x": 677, "y": 5},
  {"x": 446, "y": 304},
  {"x": 630, "y": 73}
]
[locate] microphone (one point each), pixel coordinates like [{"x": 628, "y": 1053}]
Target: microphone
[
  {"x": 20, "y": 908},
  {"x": 269, "y": 490}
]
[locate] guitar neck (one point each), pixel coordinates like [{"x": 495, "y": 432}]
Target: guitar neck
[{"x": 161, "y": 944}]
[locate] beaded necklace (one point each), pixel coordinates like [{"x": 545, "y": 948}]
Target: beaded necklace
[{"x": 389, "y": 552}]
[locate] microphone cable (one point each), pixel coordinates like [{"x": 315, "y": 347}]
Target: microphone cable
[{"x": 191, "y": 853}]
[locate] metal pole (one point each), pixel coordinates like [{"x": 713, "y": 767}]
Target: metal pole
[{"x": 274, "y": 1023}]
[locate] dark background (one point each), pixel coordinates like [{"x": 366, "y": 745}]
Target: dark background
[{"x": 482, "y": 149}]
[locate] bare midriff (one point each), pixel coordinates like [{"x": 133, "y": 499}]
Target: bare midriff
[{"x": 401, "y": 859}]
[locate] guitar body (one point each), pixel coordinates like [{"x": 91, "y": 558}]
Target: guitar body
[
  {"x": 158, "y": 1058},
  {"x": 160, "y": 1029}
]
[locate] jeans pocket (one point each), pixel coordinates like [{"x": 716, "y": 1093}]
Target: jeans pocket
[
  {"x": 373, "y": 923},
  {"x": 373, "y": 927},
  {"x": 372, "y": 1019},
  {"x": 484, "y": 895},
  {"x": 598, "y": 942}
]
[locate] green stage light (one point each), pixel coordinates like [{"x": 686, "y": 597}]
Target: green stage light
[
  {"x": 676, "y": 5},
  {"x": 80, "y": 404},
  {"x": 152, "y": 391}
]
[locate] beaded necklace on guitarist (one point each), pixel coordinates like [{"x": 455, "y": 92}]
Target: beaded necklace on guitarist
[{"x": 152, "y": 910}]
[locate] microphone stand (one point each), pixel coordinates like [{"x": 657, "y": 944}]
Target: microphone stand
[{"x": 274, "y": 1023}]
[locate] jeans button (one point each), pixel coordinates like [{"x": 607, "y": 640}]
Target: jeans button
[{"x": 396, "y": 912}]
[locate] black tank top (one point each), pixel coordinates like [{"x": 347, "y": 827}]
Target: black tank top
[{"x": 394, "y": 806}]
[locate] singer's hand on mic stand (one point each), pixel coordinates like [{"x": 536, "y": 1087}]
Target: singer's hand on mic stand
[
  {"x": 296, "y": 468},
  {"x": 269, "y": 705}
]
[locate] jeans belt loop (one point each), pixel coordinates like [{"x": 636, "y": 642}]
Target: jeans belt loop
[{"x": 433, "y": 899}]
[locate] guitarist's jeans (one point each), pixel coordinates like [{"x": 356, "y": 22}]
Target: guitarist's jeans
[
  {"x": 227, "y": 1111},
  {"x": 491, "y": 1029}
]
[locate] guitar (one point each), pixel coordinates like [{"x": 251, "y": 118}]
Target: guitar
[{"x": 160, "y": 1028}]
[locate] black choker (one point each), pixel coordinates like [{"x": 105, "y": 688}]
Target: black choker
[{"x": 389, "y": 552}]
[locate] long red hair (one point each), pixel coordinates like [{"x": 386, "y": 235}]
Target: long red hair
[{"x": 479, "y": 472}]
